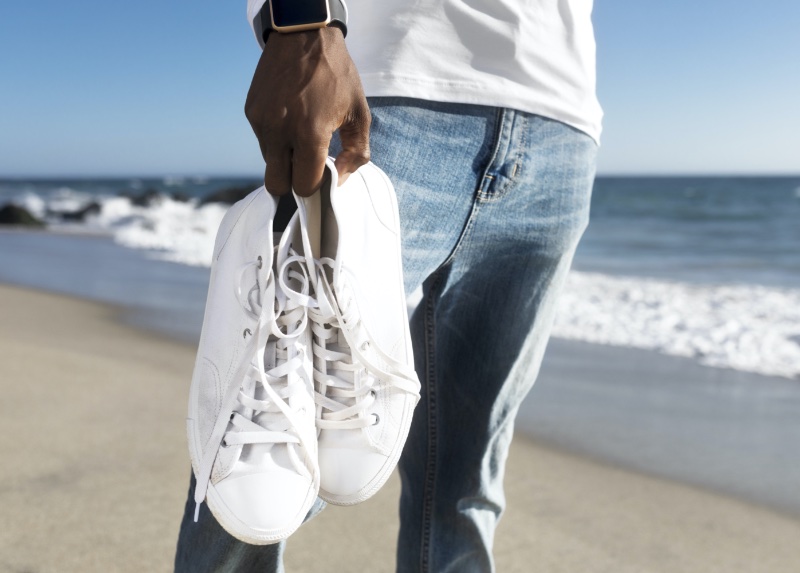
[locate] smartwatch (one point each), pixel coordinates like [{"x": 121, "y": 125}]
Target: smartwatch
[{"x": 297, "y": 15}]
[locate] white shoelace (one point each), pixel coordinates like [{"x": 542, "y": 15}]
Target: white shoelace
[
  {"x": 350, "y": 366},
  {"x": 244, "y": 420}
]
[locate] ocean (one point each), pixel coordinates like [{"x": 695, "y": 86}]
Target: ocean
[
  {"x": 676, "y": 347},
  {"x": 701, "y": 267}
]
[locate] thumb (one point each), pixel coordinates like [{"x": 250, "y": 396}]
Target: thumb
[{"x": 354, "y": 135}]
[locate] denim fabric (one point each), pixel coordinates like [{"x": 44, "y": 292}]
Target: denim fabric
[{"x": 492, "y": 204}]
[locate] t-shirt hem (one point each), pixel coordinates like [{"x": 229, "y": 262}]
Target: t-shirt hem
[{"x": 454, "y": 91}]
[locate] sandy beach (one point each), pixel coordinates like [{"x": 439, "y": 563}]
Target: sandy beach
[{"x": 95, "y": 474}]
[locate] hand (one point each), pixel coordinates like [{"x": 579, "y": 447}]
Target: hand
[{"x": 305, "y": 88}]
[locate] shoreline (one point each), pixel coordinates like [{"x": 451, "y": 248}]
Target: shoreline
[
  {"x": 601, "y": 307},
  {"x": 620, "y": 406},
  {"x": 99, "y": 481}
]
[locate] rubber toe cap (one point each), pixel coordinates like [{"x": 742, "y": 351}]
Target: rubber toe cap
[
  {"x": 346, "y": 471},
  {"x": 268, "y": 502}
]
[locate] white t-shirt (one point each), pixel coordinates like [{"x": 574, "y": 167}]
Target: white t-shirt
[{"x": 532, "y": 55}]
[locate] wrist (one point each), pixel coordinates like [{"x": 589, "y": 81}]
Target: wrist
[{"x": 305, "y": 40}]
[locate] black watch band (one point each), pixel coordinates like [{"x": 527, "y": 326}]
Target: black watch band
[{"x": 264, "y": 19}]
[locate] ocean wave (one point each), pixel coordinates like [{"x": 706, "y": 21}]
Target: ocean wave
[
  {"x": 176, "y": 231},
  {"x": 173, "y": 230},
  {"x": 744, "y": 327}
]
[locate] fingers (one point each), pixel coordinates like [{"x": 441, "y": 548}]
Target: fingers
[
  {"x": 295, "y": 157},
  {"x": 308, "y": 167},
  {"x": 354, "y": 134},
  {"x": 300, "y": 166},
  {"x": 300, "y": 169},
  {"x": 278, "y": 175},
  {"x": 274, "y": 148}
]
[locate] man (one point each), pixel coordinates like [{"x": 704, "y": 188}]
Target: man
[{"x": 484, "y": 116}]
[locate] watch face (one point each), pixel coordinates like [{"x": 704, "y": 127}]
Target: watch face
[{"x": 298, "y": 12}]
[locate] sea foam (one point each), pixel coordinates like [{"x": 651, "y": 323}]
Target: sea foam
[
  {"x": 171, "y": 230},
  {"x": 175, "y": 231},
  {"x": 744, "y": 327}
]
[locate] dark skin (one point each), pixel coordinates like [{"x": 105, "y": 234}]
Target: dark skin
[{"x": 305, "y": 87}]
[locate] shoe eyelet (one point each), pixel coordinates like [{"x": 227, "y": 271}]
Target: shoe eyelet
[
  {"x": 377, "y": 419},
  {"x": 373, "y": 394},
  {"x": 260, "y": 262},
  {"x": 246, "y": 332},
  {"x": 364, "y": 346}
]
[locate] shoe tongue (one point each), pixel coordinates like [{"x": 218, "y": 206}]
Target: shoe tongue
[
  {"x": 317, "y": 219},
  {"x": 333, "y": 220},
  {"x": 270, "y": 361}
]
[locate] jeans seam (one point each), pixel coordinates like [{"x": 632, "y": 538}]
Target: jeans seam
[
  {"x": 510, "y": 182},
  {"x": 461, "y": 239},
  {"x": 498, "y": 132},
  {"x": 430, "y": 464},
  {"x": 501, "y": 113}
]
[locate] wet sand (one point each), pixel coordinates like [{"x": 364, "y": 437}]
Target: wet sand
[
  {"x": 725, "y": 430},
  {"x": 95, "y": 473}
]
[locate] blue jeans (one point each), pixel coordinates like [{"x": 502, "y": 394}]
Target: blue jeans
[{"x": 492, "y": 204}]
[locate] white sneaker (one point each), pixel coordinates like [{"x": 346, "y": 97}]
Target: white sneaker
[
  {"x": 363, "y": 363},
  {"x": 251, "y": 429}
]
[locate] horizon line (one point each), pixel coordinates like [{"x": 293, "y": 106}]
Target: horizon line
[{"x": 604, "y": 174}]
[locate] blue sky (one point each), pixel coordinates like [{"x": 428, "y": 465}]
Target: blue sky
[{"x": 158, "y": 87}]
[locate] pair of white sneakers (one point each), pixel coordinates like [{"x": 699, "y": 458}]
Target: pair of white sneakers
[{"x": 304, "y": 383}]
